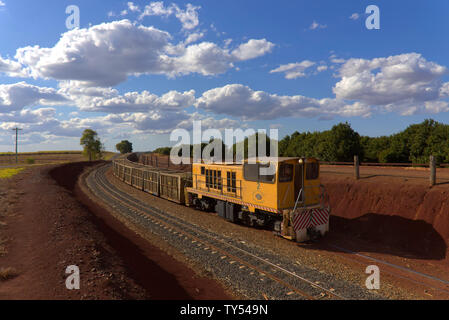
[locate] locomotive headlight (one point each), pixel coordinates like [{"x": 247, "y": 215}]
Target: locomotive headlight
[{"x": 300, "y": 161}]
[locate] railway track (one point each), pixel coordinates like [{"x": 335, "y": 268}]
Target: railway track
[
  {"x": 424, "y": 280},
  {"x": 253, "y": 271}
]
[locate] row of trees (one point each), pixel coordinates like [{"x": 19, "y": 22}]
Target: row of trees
[{"x": 414, "y": 144}]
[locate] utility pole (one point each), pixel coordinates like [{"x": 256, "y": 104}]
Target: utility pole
[{"x": 17, "y": 141}]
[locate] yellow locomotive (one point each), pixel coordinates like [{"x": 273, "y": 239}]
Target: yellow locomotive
[{"x": 291, "y": 200}]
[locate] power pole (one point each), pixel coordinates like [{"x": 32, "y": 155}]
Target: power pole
[{"x": 17, "y": 142}]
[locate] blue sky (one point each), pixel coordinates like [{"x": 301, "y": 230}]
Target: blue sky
[{"x": 138, "y": 70}]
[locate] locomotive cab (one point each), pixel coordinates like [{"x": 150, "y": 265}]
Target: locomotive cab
[{"x": 270, "y": 193}]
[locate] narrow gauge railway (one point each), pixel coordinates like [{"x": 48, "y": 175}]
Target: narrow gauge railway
[
  {"x": 175, "y": 186},
  {"x": 284, "y": 195},
  {"x": 253, "y": 270}
]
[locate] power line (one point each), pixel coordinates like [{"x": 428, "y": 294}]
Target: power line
[{"x": 17, "y": 141}]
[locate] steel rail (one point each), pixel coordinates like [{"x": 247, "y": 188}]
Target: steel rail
[{"x": 150, "y": 213}]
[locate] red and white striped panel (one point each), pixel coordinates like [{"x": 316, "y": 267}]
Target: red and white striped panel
[
  {"x": 301, "y": 220},
  {"x": 310, "y": 217},
  {"x": 319, "y": 216}
]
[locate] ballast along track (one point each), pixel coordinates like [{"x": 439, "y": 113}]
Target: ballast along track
[{"x": 249, "y": 269}]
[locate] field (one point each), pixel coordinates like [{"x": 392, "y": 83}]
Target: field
[{"x": 45, "y": 157}]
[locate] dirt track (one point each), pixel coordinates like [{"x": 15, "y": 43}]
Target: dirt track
[{"x": 49, "y": 229}]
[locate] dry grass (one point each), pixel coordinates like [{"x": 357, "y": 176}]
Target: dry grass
[
  {"x": 8, "y": 273},
  {"x": 9, "y": 172}
]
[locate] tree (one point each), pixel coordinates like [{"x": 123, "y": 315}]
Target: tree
[
  {"x": 92, "y": 146},
  {"x": 124, "y": 146}
]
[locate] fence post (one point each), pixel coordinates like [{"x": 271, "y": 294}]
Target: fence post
[
  {"x": 433, "y": 171},
  {"x": 356, "y": 168}
]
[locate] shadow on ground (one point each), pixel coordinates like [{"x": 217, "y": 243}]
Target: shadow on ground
[{"x": 387, "y": 234}]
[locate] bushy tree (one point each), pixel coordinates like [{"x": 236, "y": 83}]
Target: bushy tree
[
  {"x": 92, "y": 146},
  {"x": 124, "y": 146}
]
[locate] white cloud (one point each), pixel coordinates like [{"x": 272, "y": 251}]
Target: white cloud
[
  {"x": 106, "y": 54},
  {"x": 294, "y": 70},
  {"x": 14, "y": 97},
  {"x": 133, "y": 7},
  {"x": 354, "y": 16},
  {"x": 110, "y": 101},
  {"x": 241, "y": 101},
  {"x": 193, "y": 37},
  {"x": 253, "y": 49},
  {"x": 338, "y": 60},
  {"x": 11, "y": 68},
  {"x": 321, "y": 68},
  {"x": 397, "y": 83},
  {"x": 2, "y": 4},
  {"x": 436, "y": 106},
  {"x": 188, "y": 17},
  {"x": 315, "y": 25},
  {"x": 103, "y": 55}
]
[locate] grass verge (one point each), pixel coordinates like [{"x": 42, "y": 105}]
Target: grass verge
[{"x": 9, "y": 172}]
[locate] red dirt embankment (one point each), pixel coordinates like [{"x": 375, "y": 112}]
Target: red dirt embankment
[
  {"x": 48, "y": 224},
  {"x": 402, "y": 217}
]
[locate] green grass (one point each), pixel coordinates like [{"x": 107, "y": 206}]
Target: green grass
[
  {"x": 108, "y": 155},
  {"x": 9, "y": 172}
]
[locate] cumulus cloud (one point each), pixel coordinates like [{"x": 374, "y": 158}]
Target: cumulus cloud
[
  {"x": 294, "y": 70},
  {"x": 188, "y": 17},
  {"x": 11, "y": 68},
  {"x": 14, "y": 97},
  {"x": 241, "y": 101},
  {"x": 109, "y": 100},
  {"x": 133, "y": 7},
  {"x": 2, "y": 4},
  {"x": 103, "y": 55},
  {"x": 321, "y": 68},
  {"x": 397, "y": 82},
  {"x": 106, "y": 54},
  {"x": 253, "y": 49},
  {"x": 354, "y": 16}
]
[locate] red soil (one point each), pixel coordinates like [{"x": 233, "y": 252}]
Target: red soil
[
  {"x": 52, "y": 225},
  {"x": 395, "y": 209}
]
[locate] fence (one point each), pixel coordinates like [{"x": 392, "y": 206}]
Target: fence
[{"x": 357, "y": 165}]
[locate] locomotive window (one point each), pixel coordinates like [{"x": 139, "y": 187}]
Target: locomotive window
[
  {"x": 228, "y": 181},
  {"x": 267, "y": 177},
  {"x": 285, "y": 172},
  {"x": 202, "y": 170},
  {"x": 234, "y": 184},
  {"x": 220, "y": 185},
  {"x": 312, "y": 171},
  {"x": 251, "y": 172}
]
